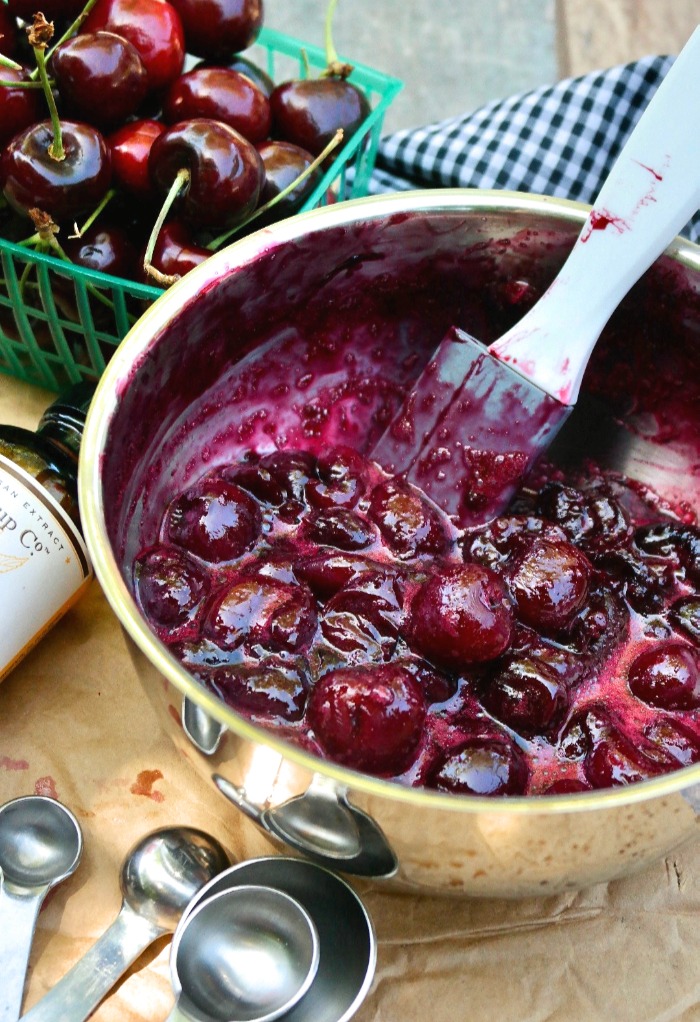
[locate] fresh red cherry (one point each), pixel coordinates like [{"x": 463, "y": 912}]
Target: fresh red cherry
[
  {"x": 100, "y": 77},
  {"x": 261, "y": 611},
  {"x": 152, "y": 26},
  {"x": 130, "y": 146},
  {"x": 59, "y": 9},
  {"x": 481, "y": 767},
  {"x": 8, "y": 36},
  {"x": 226, "y": 172},
  {"x": 368, "y": 718},
  {"x": 284, "y": 162},
  {"x": 309, "y": 111},
  {"x": 246, "y": 67},
  {"x": 175, "y": 254},
  {"x": 549, "y": 584},
  {"x": 221, "y": 94},
  {"x": 214, "y": 520},
  {"x": 666, "y": 675},
  {"x": 170, "y": 586},
  {"x": 66, "y": 188},
  {"x": 408, "y": 523},
  {"x": 19, "y": 108},
  {"x": 218, "y": 28},
  {"x": 268, "y": 689},
  {"x": 460, "y": 616},
  {"x": 105, "y": 248}
]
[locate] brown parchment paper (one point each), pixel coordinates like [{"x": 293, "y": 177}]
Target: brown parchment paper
[{"x": 74, "y": 724}]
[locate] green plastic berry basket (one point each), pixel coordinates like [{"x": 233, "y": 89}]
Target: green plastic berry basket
[{"x": 60, "y": 323}]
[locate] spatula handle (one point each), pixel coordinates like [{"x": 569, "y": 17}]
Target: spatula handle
[{"x": 650, "y": 195}]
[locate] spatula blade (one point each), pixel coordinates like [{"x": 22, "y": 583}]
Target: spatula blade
[{"x": 469, "y": 431}]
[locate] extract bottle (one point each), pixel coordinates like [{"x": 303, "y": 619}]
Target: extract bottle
[{"x": 44, "y": 563}]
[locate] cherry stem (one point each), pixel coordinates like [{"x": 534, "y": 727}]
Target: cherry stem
[
  {"x": 181, "y": 180},
  {"x": 21, "y": 85},
  {"x": 56, "y": 150},
  {"x": 70, "y": 31},
  {"x": 331, "y": 52},
  {"x": 95, "y": 213},
  {"x": 8, "y": 62},
  {"x": 335, "y": 141}
]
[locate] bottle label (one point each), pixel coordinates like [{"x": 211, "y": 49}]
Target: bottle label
[{"x": 44, "y": 563}]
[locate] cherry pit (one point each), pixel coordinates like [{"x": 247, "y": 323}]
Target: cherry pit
[{"x": 554, "y": 650}]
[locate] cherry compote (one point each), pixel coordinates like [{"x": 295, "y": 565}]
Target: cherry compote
[{"x": 554, "y": 650}]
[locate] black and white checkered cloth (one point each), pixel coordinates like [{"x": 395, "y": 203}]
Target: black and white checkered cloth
[{"x": 559, "y": 140}]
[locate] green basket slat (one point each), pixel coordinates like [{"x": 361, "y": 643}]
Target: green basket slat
[{"x": 24, "y": 358}]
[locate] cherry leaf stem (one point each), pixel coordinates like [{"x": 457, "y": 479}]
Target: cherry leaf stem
[
  {"x": 299, "y": 179},
  {"x": 331, "y": 52},
  {"x": 56, "y": 150},
  {"x": 180, "y": 182}
]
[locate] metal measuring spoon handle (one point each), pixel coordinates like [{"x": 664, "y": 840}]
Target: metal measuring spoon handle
[
  {"x": 79, "y": 992},
  {"x": 18, "y": 912}
]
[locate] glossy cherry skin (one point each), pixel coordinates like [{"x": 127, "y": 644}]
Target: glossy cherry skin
[
  {"x": 667, "y": 676},
  {"x": 284, "y": 162},
  {"x": 409, "y": 524},
  {"x": 8, "y": 35},
  {"x": 100, "y": 77},
  {"x": 549, "y": 584},
  {"x": 309, "y": 111},
  {"x": 369, "y": 718},
  {"x": 175, "y": 253},
  {"x": 251, "y": 70},
  {"x": 219, "y": 28},
  {"x": 105, "y": 248},
  {"x": 152, "y": 26},
  {"x": 170, "y": 585},
  {"x": 130, "y": 146},
  {"x": 268, "y": 689},
  {"x": 481, "y": 767},
  {"x": 65, "y": 189},
  {"x": 226, "y": 171},
  {"x": 460, "y": 616},
  {"x": 223, "y": 95},
  {"x": 214, "y": 520},
  {"x": 19, "y": 108}
]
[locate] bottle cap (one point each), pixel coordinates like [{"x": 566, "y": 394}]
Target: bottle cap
[{"x": 71, "y": 406}]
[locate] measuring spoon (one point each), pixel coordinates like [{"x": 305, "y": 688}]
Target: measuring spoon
[{"x": 40, "y": 845}]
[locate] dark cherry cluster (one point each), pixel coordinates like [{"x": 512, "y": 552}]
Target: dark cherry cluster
[
  {"x": 145, "y": 99},
  {"x": 556, "y": 649}
]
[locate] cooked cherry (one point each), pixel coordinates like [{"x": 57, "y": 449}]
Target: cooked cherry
[
  {"x": 437, "y": 687},
  {"x": 667, "y": 675},
  {"x": 527, "y": 695},
  {"x": 152, "y": 26},
  {"x": 342, "y": 479},
  {"x": 680, "y": 543},
  {"x": 19, "y": 108},
  {"x": 601, "y": 624},
  {"x": 258, "y": 480},
  {"x": 363, "y": 620},
  {"x": 292, "y": 470},
  {"x": 595, "y": 521},
  {"x": 409, "y": 525},
  {"x": 100, "y": 77},
  {"x": 221, "y": 94},
  {"x": 66, "y": 188},
  {"x": 169, "y": 585},
  {"x": 309, "y": 111},
  {"x": 218, "y": 28},
  {"x": 269, "y": 688},
  {"x": 214, "y": 520},
  {"x": 685, "y": 614},
  {"x": 566, "y": 786},
  {"x": 550, "y": 584},
  {"x": 284, "y": 162},
  {"x": 130, "y": 146},
  {"x": 369, "y": 718},
  {"x": 105, "y": 248},
  {"x": 499, "y": 541},
  {"x": 328, "y": 571},
  {"x": 460, "y": 616},
  {"x": 226, "y": 172},
  {"x": 673, "y": 742},
  {"x": 261, "y": 612},
  {"x": 339, "y": 527},
  {"x": 616, "y": 760},
  {"x": 481, "y": 767},
  {"x": 644, "y": 581}
]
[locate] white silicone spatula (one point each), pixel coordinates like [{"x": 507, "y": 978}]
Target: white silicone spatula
[{"x": 477, "y": 417}]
